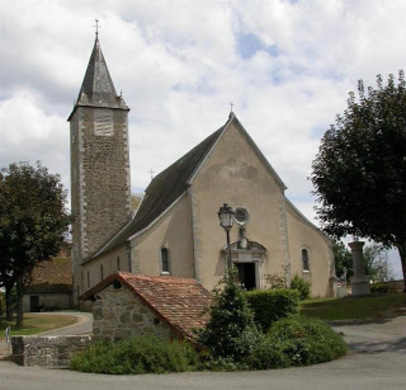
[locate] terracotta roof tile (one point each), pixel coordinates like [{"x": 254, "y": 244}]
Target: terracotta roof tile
[
  {"x": 180, "y": 302},
  {"x": 54, "y": 275}
]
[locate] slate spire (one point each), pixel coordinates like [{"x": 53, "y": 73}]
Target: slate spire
[{"x": 97, "y": 88}]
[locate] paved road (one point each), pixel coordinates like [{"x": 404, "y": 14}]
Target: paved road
[{"x": 377, "y": 361}]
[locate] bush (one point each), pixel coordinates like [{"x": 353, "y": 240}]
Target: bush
[
  {"x": 301, "y": 285},
  {"x": 141, "y": 354},
  {"x": 305, "y": 341},
  {"x": 272, "y": 305},
  {"x": 231, "y": 332},
  {"x": 380, "y": 288}
]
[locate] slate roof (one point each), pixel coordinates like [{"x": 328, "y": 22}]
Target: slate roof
[
  {"x": 179, "y": 302},
  {"x": 171, "y": 183},
  {"x": 165, "y": 188},
  {"x": 53, "y": 276},
  {"x": 97, "y": 88}
]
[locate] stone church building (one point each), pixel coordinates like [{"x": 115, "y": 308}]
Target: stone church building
[{"x": 175, "y": 230}]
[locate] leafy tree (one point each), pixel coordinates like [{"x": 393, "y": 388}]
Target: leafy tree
[
  {"x": 33, "y": 220},
  {"x": 342, "y": 259},
  {"x": 376, "y": 263},
  {"x": 136, "y": 200},
  {"x": 231, "y": 333},
  {"x": 359, "y": 173}
]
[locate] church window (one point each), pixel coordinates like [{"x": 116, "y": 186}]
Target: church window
[
  {"x": 103, "y": 122},
  {"x": 305, "y": 260},
  {"x": 165, "y": 261},
  {"x": 88, "y": 279},
  {"x": 101, "y": 272},
  {"x": 118, "y": 263}
]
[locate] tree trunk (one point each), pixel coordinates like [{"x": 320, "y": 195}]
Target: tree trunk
[
  {"x": 20, "y": 303},
  {"x": 9, "y": 309},
  {"x": 402, "y": 252}
]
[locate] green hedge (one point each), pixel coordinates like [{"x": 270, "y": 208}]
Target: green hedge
[
  {"x": 380, "y": 288},
  {"x": 141, "y": 354},
  {"x": 272, "y": 305},
  {"x": 305, "y": 341},
  {"x": 301, "y": 285}
]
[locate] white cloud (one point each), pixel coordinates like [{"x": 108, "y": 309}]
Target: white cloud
[{"x": 179, "y": 65}]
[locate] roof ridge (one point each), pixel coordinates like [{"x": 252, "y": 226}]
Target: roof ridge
[{"x": 165, "y": 279}]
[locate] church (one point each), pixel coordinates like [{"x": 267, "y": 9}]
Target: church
[{"x": 175, "y": 230}]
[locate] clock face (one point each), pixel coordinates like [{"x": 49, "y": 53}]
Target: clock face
[{"x": 103, "y": 122}]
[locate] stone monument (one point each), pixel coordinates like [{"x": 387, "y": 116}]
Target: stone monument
[{"x": 360, "y": 281}]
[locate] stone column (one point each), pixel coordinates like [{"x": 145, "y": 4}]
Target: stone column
[{"x": 360, "y": 281}]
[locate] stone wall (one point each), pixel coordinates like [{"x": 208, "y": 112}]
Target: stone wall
[
  {"x": 118, "y": 314},
  {"x": 396, "y": 285},
  {"x": 48, "y": 301},
  {"x": 46, "y": 351}
]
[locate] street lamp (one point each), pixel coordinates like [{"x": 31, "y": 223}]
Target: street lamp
[{"x": 226, "y": 217}]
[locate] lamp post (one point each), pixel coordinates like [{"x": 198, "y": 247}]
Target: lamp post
[{"x": 226, "y": 217}]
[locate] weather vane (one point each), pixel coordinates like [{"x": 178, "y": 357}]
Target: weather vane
[
  {"x": 151, "y": 172},
  {"x": 231, "y": 106},
  {"x": 97, "y": 26}
]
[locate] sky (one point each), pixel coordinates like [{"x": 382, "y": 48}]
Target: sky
[{"x": 286, "y": 65}]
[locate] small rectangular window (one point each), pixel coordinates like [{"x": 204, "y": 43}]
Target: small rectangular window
[
  {"x": 118, "y": 263},
  {"x": 305, "y": 260},
  {"x": 165, "y": 261}
]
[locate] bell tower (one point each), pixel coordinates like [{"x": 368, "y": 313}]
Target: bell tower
[{"x": 100, "y": 167}]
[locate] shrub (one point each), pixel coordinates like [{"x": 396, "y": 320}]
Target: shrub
[
  {"x": 301, "y": 285},
  {"x": 141, "y": 354},
  {"x": 272, "y": 305},
  {"x": 305, "y": 341},
  {"x": 231, "y": 332},
  {"x": 380, "y": 288}
]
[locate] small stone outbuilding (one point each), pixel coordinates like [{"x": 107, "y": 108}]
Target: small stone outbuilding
[
  {"x": 51, "y": 285},
  {"x": 126, "y": 304}
]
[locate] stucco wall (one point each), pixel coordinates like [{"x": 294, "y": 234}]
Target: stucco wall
[
  {"x": 302, "y": 235},
  {"x": 174, "y": 232},
  {"x": 234, "y": 174},
  {"x": 118, "y": 314}
]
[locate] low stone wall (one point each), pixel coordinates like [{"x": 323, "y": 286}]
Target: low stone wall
[
  {"x": 46, "y": 351},
  {"x": 395, "y": 285}
]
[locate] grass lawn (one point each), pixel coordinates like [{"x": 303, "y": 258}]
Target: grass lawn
[
  {"x": 36, "y": 323},
  {"x": 362, "y": 308}
]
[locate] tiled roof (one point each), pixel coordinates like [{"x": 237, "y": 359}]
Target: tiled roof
[
  {"x": 54, "y": 275},
  {"x": 171, "y": 183},
  {"x": 180, "y": 302}
]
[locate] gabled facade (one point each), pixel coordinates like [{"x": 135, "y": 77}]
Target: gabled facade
[{"x": 175, "y": 230}]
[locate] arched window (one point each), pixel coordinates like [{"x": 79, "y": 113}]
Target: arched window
[
  {"x": 305, "y": 260},
  {"x": 101, "y": 272},
  {"x": 165, "y": 261}
]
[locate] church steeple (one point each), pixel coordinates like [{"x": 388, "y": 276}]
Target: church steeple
[
  {"x": 100, "y": 166},
  {"x": 97, "y": 88}
]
